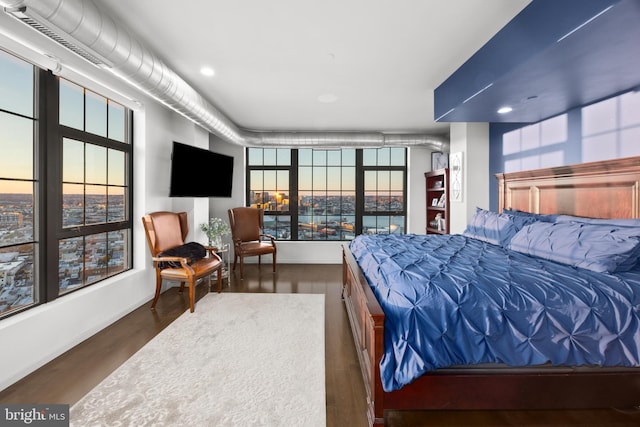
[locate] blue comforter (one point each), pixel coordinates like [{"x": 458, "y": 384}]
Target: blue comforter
[{"x": 454, "y": 300}]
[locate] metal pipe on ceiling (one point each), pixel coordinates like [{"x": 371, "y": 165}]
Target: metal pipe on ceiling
[{"x": 82, "y": 27}]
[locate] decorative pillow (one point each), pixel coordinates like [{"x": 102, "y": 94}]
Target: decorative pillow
[
  {"x": 192, "y": 250},
  {"x": 495, "y": 228},
  {"x": 535, "y": 216},
  {"x": 600, "y": 248},
  {"x": 620, "y": 222}
]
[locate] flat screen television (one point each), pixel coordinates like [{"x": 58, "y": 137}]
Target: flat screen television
[{"x": 196, "y": 172}]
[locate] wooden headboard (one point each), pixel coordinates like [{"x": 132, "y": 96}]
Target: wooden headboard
[{"x": 606, "y": 189}]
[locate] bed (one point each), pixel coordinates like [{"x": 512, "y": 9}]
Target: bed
[{"x": 608, "y": 189}]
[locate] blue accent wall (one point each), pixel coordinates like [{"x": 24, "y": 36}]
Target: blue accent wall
[
  {"x": 559, "y": 152},
  {"x": 496, "y": 158},
  {"x": 570, "y": 150}
]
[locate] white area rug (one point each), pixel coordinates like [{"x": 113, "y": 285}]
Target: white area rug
[{"x": 238, "y": 360}]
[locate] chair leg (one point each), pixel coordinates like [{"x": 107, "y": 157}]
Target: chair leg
[
  {"x": 259, "y": 261},
  {"x": 274, "y": 262},
  {"x": 181, "y": 287},
  {"x": 192, "y": 295},
  {"x": 235, "y": 260},
  {"x": 158, "y": 288},
  {"x": 220, "y": 279},
  {"x": 241, "y": 267}
]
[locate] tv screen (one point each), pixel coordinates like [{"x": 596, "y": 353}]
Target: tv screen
[{"x": 196, "y": 172}]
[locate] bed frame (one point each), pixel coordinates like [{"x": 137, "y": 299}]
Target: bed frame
[{"x": 608, "y": 189}]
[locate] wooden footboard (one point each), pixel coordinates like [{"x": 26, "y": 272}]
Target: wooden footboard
[{"x": 367, "y": 324}]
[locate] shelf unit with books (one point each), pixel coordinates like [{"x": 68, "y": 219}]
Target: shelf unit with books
[{"x": 437, "y": 183}]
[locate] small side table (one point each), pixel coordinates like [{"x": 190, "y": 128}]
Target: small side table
[{"x": 224, "y": 252}]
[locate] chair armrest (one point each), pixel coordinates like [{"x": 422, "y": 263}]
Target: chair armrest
[
  {"x": 270, "y": 237},
  {"x": 170, "y": 258},
  {"x": 184, "y": 262},
  {"x": 211, "y": 250}
]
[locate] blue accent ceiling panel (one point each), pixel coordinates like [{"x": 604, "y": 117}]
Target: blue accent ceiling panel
[{"x": 553, "y": 56}]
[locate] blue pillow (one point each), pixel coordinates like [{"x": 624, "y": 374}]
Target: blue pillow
[
  {"x": 620, "y": 222},
  {"x": 600, "y": 248},
  {"x": 495, "y": 228},
  {"x": 535, "y": 216}
]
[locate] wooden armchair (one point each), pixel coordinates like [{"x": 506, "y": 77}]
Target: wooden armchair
[
  {"x": 166, "y": 231},
  {"x": 246, "y": 232}
]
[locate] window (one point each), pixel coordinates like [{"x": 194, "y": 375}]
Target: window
[
  {"x": 328, "y": 194},
  {"x": 384, "y": 190},
  {"x": 93, "y": 228},
  {"x": 76, "y": 230},
  {"x": 269, "y": 188}
]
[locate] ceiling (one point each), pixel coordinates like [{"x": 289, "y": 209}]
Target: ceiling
[
  {"x": 278, "y": 63},
  {"x": 322, "y": 73}
]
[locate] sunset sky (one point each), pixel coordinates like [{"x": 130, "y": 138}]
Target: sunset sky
[{"x": 79, "y": 109}]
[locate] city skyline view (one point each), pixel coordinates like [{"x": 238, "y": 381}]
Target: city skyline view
[
  {"x": 82, "y": 260},
  {"x": 324, "y": 183},
  {"x": 329, "y": 217}
]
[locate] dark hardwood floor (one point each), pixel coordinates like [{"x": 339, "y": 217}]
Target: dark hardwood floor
[{"x": 73, "y": 374}]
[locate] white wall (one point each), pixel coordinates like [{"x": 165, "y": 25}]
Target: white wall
[
  {"x": 419, "y": 163},
  {"x": 472, "y": 139},
  {"x": 218, "y": 206}
]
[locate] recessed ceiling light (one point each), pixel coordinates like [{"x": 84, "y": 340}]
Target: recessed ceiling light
[
  {"x": 207, "y": 71},
  {"x": 505, "y": 110},
  {"x": 327, "y": 98}
]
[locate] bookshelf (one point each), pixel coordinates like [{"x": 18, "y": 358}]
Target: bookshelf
[{"x": 437, "y": 183}]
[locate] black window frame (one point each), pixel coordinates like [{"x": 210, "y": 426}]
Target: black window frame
[
  {"x": 47, "y": 196},
  {"x": 56, "y": 134},
  {"x": 360, "y": 211}
]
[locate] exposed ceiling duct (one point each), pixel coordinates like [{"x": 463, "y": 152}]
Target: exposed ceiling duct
[
  {"x": 343, "y": 139},
  {"x": 83, "y": 28}
]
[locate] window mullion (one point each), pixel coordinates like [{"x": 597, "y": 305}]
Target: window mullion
[
  {"x": 52, "y": 144},
  {"x": 359, "y": 191},
  {"x": 293, "y": 194},
  {"x": 42, "y": 91}
]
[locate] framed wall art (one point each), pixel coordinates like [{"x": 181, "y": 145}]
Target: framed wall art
[
  {"x": 439, "y": 161},
  {"x": 457, "y": 177}
]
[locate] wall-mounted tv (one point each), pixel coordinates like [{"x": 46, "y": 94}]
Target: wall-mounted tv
[{"x": 196, "y": 172}]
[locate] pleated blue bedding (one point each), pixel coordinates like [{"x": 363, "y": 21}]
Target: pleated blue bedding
[{"x": 455, "y": 300}]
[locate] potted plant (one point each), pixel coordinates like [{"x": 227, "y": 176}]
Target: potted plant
[{"x": 215, "y": 229}]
